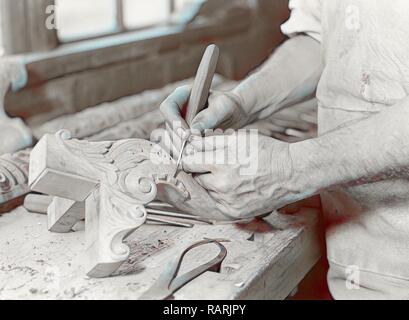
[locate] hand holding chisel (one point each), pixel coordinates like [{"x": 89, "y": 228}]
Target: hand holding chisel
[{"x": 200, "y": 92}]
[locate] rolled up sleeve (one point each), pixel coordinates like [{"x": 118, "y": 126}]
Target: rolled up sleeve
[{"x": 305, "y": 18}]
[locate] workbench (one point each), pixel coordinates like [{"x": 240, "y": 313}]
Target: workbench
[{"x": 266, "y": 259}]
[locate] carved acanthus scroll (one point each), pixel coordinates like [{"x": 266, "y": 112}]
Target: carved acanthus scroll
[
  {"x": 13, "y": 176},
  {"x": 115, "y": 179}
]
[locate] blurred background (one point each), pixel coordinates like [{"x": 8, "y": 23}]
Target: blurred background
[
  {"x": 81, "y": 53},
  {"x": 80, "y": 19}
]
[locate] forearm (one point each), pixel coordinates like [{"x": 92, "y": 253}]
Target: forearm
[
  {"x": 373, "y": 149},
  {"x": 290, "y": 75}
]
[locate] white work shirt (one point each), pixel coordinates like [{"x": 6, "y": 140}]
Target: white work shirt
[{"x": 365, "y": 51}]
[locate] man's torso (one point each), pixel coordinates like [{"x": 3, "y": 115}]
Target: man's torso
[{"x": 366, "y": 59}]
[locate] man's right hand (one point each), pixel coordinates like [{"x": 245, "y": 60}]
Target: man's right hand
[{"x": 224, "y": 112}]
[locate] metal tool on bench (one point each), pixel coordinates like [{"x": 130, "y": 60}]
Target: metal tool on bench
[
  {"x": 168, "y": 222},
  {"x": 39, "y": 204},
  {"x": 200, "y": 92},
  {"x": 177, "y": 215},
  {"x": 169, "y": 281}
]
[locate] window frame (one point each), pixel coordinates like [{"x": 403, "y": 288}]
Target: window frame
[
  {"x": 29, "y": 35},
  {"x": 58, "y": 75}
]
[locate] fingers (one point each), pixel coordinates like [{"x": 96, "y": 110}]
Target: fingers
[
  {"x": 221, "y": 109},
  {"x": 313, "y": 202},
  {"x": 192, "y": 164},
  {"x": 172, "y": 106},
  {"x": 206, "y": 181},
  {"x": 206, "y": 144},
  {"x": 207, "y": 161}
]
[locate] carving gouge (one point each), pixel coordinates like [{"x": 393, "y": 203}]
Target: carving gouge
[
  {"x": 200, "y": 91},
  {"x": 178, "y": 215}
]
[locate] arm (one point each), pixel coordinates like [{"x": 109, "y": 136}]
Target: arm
[
  {"x": 375, "y": 148},
  {"x": 372, "y": 149},
  {"x": 289, "y": 76}
]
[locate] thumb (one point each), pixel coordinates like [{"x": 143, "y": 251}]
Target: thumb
[
  {"x": 220, "y": 110},
  {"x": 196, "y": 164}
]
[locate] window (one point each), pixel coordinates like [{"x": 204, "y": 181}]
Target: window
[
  {"x": 85, "y": 18},
  {"x": 78, "y": 19}
]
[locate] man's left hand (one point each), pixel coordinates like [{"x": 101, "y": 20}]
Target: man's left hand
[{"x": 245, "y": 173}]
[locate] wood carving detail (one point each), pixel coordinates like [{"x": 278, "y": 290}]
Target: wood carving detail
[
  {"x": 13, "y": 175},
  {"x": 117, "y": 179}
]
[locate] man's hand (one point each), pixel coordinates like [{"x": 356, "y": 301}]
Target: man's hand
[
  {"x": 246, "y": 174},
  {"x": 224, "y": 111}
]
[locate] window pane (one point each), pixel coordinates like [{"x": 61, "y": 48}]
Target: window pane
[
  {"x": 140, "y": 13},
  {"x": 181, "y": 4},
  {"x": 85, "y": 18}
]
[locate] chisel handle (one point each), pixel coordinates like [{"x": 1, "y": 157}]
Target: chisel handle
[{"x": 203, "y": 81}]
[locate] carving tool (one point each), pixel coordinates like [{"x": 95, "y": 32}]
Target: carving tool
[
  {"x": 169, "y": 222},
  {"x": 169, "y": 281},
  {"x": 200, "y": 92},
  {"x": 176, "y": 215},
  {"x": 160, "y": 204}
]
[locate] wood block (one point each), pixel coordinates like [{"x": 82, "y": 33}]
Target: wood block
[
  {"x": 37, "y": 203},
  {"x": 63, "y": 214},
  {"x": 53, "y": 172}
]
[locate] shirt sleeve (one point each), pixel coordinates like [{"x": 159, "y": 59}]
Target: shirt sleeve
[{"x": 305, "y": 18}]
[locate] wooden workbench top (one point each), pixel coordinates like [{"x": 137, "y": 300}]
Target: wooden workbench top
[{"x": 37, "y": 264}]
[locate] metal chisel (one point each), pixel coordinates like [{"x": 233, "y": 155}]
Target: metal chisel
[{"x": 200, "y": 91}]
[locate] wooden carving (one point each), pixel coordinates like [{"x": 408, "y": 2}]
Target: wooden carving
[
  {"x": 116, "y": 180},
  {"x": 13, "y": 179}
]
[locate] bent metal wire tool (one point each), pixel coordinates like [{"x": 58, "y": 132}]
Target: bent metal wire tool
[{"x": 169, "y": 281}]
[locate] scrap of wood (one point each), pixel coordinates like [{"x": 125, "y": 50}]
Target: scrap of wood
[
  {"x": 64, "y": 214},
  {"x": 37, "y": 203}
]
